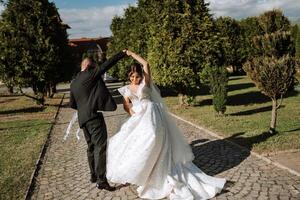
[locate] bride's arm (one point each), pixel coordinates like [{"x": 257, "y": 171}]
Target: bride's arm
[
  {"x": 127, "y": 107},
  {"x": 143, "y": 62}
]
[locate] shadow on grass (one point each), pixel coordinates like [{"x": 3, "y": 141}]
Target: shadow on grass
[
  {"x": 240, "y": 86},
  {"x": 8, "y": 100},
  {"x": 293, "y": 130},
  {"x": 10, "y": 95},
  {"x": 291, "y": 94},
  {"x": 254, "y": 111},
  {"x": 23, "y": 110},
  {"x": 231, "y": 78},
  {"x": 214, "y": 157},
  {"x": 205, "y": 102},
  {"x": 248, "y": 142},
  {"x": 247, "y": 98},
  {"x": 240, "y": 99},
  {"x": 254, "y": 97}
]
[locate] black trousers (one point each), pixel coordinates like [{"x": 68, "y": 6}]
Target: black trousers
[{"x": 95, "y": 134}]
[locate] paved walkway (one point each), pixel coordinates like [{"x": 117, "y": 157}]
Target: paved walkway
[
  {"x": 65, "y": 174},
  {"x": 290, "y": 159}
]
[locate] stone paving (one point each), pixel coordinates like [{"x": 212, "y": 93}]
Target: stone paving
[{"x": 65, "y": 174}]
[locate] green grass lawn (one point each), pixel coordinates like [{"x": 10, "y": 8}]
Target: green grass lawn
[
  {"x": 23, "y": 131},
  {"x": 247, "y": 117}
]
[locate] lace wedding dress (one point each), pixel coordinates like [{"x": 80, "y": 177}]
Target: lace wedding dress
[{"x": 150, "y": 151}]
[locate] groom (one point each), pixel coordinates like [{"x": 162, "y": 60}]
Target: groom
[{"x": 89, "y": 95}]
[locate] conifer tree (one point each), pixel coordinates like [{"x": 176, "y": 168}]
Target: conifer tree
[
  {"x": 273, "y": 67},
  {"x": 181, "y": 43},
  {"x": 33, "y": 43},
  {"x": 129, "y": 31},
  {"x": 273, "y": 76},
  {"x": 177, "y": 37},
  {"x": 297, "y": 43}
]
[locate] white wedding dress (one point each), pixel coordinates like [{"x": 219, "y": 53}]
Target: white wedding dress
[{"x": 149, "y": 151}]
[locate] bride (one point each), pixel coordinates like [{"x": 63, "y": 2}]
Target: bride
[{"x": 149, "y": 150}]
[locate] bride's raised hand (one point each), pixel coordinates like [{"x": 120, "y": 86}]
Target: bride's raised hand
[{"x": 128, "y": 52}]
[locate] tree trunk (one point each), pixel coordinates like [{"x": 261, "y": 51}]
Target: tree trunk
[
  {"x": 180, "y": 99},
  {"x": 40, "y": 100},
  {"x": 48, "y": 90},
  {"x": 274, "y": 116},
  {"x": 51, "y": 90},
  {"x": 10, "y": 89},
  {"x": 34, "y": 88}
]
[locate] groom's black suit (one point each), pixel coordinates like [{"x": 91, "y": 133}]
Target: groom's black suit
[{"x": 89, "y": 95}]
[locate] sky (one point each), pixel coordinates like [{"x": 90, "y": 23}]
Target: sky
[{"x": 92, "y": 18}]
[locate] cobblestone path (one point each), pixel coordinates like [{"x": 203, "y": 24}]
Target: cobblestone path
[{"x": 65, "y": 174}]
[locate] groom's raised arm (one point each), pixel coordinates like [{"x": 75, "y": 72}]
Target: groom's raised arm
[{"x": 108, "y": 64}]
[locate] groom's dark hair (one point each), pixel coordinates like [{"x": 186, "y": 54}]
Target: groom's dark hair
[{"x": 135, "y": 68}]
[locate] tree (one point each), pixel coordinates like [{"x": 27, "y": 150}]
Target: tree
[
  {"x": 167, "y": 47},
  {"x": 297, "y": 43},
  {"x": 297, "y": 49},
  {"x": 274, "y": 44},
  {"x": 218, "y": 88},
  {"x": 266, "y": 23},
  {"x": 249, "y": 29},
  {"x": 180, "y": 45},
  {"x": 129, "y": 31},
  {"x": 178, "y": 37},
  {"x": 273, "y": 70},
  {"x": 273, "y": 67},
  {"x": 294, "y": 32},
  {"x": 233, "y": 42},
  {"x": 273, "y": 21},
  {"x": 33, "y": 43},
  {"x": 273, "y": 77}
]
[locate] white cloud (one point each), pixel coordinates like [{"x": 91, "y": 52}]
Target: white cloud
[
  {"x": 90, "y": 22},
  {"x": 245, "y": 8},
  {"x": 95, "y": 22}
]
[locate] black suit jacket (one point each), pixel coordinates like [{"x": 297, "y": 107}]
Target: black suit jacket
[{"x": 89, "y": 94}]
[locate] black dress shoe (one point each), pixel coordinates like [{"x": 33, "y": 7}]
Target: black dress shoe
[
  {"x": 93, "y": 179},
  {"x": 105, "y": 186}
]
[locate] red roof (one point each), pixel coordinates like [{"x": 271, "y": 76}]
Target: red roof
[{"x": 102, "y": 42}]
